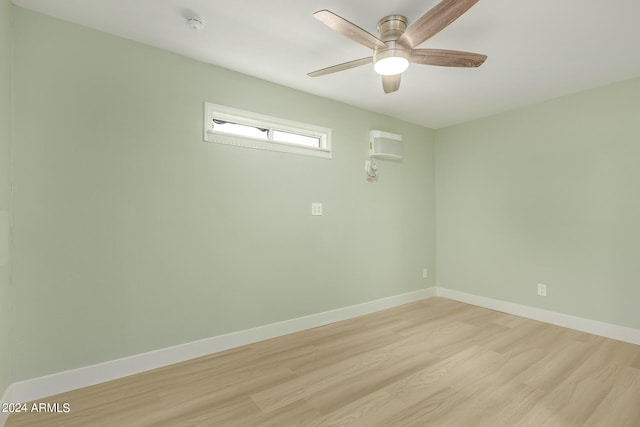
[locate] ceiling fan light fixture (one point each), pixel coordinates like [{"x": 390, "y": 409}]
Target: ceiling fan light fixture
[
  {"x": 391, "y": 66},
  {"x": 390, "y": 62},
  {"x": 396, "y": 46}
]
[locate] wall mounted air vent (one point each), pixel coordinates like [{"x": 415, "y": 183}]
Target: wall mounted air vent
[{"x": 385, "y": 145}]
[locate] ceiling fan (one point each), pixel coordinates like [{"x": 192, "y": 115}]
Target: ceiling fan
[{"x": 394, "y": 50}]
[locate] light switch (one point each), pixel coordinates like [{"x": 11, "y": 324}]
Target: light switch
[{"x": 316, "y": 209}]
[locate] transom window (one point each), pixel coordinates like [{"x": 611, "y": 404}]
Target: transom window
[{"x": 226, "y": 125}]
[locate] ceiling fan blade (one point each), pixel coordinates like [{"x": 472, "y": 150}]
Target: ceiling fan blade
[
  {"x": 434, "y": 21},
  {"x": 446, "y": 58},
  {"x": 348, "y": 29},
  {"x": 341, "y": 67},
  {"x": 391, "y": 83}
]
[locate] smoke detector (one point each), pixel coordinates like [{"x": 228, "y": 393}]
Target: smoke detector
[{"x": 195, "y": 24}]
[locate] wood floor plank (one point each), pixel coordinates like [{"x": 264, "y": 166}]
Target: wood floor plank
[
  {"x": 329, "y": 378},
  {"x": 621, "y": 406},
  {"x": 366, "y": 411},
  {"x": 636, "y": 362},
  {"x": 506, "y": 405},
  {"x": 366, "y": 382},
  {"x": 432, "y": 410},
  {"x": 431, "y": 363}
]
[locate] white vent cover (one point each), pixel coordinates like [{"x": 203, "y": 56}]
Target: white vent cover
[{"x": 385, "y": 145}]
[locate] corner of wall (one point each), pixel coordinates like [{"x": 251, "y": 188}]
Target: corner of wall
[{"x": 6, "y": 133}]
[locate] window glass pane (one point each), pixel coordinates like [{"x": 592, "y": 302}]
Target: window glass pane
[
  {"x": 294, "y": 138},
  {"x": 226, "y": 125},
  {"x": 240, "y": 129}
]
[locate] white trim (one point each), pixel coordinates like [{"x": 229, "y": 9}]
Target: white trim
[
  {"x": 616, "y": 332},
  {"x": 49, "y": 385},
  {"x": 267, "y": 145}
]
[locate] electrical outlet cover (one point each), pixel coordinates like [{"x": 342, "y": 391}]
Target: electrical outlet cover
[
  {"x": 316, "y": 209},
  {"x": 542, "y": 289}
]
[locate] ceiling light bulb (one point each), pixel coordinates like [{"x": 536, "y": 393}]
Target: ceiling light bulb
[
  {"x": 391, "y": 61},
  {"x": 391, "y": 65}
]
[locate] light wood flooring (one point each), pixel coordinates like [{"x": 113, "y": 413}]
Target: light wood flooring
[{"x": 435, "y": 362}]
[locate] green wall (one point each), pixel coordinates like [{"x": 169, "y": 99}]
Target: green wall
[
  {"x": 5, "y": 188},
  {"x": 132, "y": 234},
  {"x": 546, "y": 194}
]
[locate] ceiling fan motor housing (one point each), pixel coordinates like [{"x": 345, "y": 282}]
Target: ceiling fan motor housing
[{"x": 390, "y": 29}]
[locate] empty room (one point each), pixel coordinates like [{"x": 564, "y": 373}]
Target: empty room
[{"x": 319, "y": 213}]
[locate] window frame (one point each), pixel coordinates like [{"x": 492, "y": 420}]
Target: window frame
[{"x": 220, "y": 112}]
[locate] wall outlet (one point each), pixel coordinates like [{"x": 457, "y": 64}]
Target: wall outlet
[
  {"x": 316, "y": 209},
  {"x": 542, "y": 289},
  {"x": 425, "y": 273}
]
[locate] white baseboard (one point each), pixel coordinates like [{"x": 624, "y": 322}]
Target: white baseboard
[
  {"x": 38, "y": 388},
  {"x": 620, "y": 333}
]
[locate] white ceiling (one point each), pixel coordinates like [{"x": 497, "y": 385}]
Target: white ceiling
[{"x": 537, "y": 49}]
